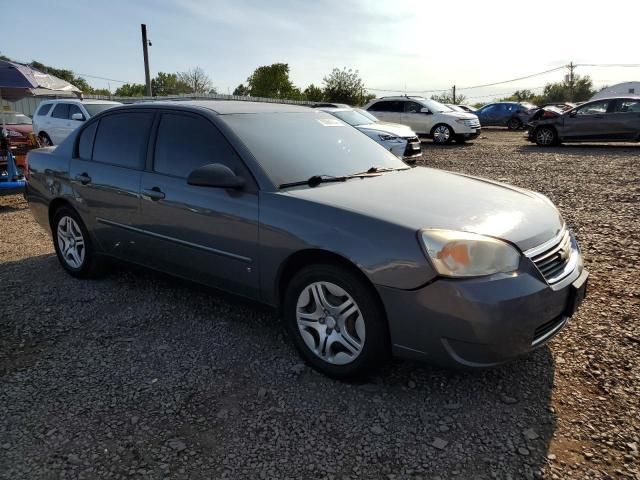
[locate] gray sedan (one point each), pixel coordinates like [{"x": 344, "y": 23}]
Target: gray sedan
[
  {"x": 602, "y": 120},
  {"x": 363, "y": 256}
]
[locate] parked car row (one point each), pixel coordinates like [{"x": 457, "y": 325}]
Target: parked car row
[{"x": 363, "y": 255}]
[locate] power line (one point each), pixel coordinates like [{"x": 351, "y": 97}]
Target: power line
[
  {"x": 629, "y": 65},
  {"x": 102, "y": 78},
  {"x": 514, "y": 79}
]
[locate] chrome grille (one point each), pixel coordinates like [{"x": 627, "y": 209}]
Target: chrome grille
[{"x": 552, "y": 260}]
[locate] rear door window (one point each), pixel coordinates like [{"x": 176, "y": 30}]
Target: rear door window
[
  {"x": 122, "y": 138},
  {"x": 44, "y": 109},
  {"x": 61, "y": 110},
  {"x": 186, "y": 142},
  {"x": 85, "y": 144}
]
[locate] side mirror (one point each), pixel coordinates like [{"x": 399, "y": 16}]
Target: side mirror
[
  {"x": 425, "y": 110},
  {"x": 573, "y": 113},
  {"x": 215, "y": 175},
  {"x": 77, "y": 116}
]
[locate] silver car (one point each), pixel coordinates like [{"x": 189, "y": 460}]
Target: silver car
[
  {"x": 362, "y": 255},
  {"x": 398, "y": 139}
]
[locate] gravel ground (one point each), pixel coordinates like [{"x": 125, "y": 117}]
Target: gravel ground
[{"x": 144, "y": 376}]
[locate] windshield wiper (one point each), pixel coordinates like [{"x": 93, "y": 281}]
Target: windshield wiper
[
  {"x": 316, "y": 180},
  {"x": 375, "y": 169}
]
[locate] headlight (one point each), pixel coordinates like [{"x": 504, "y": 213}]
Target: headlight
[
  {"x": 389, "y": 138},
  {"x": 462, "y": 120},
  {"x": 11, "y": 133},
  {"x": 463, "y": 254}
]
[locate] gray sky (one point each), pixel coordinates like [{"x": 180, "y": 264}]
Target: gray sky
[{"x": 396, "y": 45}]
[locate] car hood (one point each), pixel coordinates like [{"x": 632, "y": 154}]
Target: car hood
[
  {"x": 429, "y": 198},
  {"x": 464, "y": 115},
  {"x": 392, "y": 128}
]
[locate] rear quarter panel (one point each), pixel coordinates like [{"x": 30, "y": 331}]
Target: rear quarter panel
[{"x": 48, "y": 178}]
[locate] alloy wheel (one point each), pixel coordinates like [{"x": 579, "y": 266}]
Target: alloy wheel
[
  {"x": 330, "y": 323},
  {"x": 441, "y": 134},
  {"x": 71, "y": 242},
  {"x": 544, "y": 136}
]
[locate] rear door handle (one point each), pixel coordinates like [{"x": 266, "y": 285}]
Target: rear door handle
[
  {"x": 154, "y": 194},
  {"x": 83, "y": 178}
]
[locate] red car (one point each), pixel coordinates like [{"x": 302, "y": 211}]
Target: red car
[{"x": 18, "y": 131}]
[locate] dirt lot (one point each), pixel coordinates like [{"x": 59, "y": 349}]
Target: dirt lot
[{"x": 140, "y": 375}]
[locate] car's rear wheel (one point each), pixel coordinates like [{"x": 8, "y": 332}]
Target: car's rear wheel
[
  {"x": 514, "y": 124},
  {"x": 545, "y": 136},
  {"x": 44, "y": 139},
  {"x": 73, "y": 244},
  {"x": 336, "y": 321},
  {"x": 442, "y": 134}
]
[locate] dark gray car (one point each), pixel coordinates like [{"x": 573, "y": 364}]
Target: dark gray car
[
  {"x": 292, "y": 207},
  {"x": 605, "y": 119}
]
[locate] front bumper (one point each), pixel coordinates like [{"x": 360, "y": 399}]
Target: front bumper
[
  {"x": 479, "y": 322},
  {"x": 470, "y": 136}
]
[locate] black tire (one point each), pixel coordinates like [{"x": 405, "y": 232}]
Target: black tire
[
  {"x": 91, "y": 265},
  {"x": 545, "y": 136},
  {"x": 45, "y": 140},
  {"x": 514, "y": 124},
  {"x": 440, "y": 135},
  {"x": 375, "y": 348}
]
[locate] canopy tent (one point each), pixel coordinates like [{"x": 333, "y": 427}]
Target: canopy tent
[{"x": 18, "y": 81}]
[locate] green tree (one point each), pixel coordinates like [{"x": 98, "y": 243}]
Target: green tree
[
  {"x": 197, "y": 80},
  {"x": 101, "y": 91},
  {"x": 448, "y": 98},
  {"x": 131, "y": 90},
  {"x": 241, "y": 90},
  {"x": 344, "y": 86},
  {"x": 271, "y": 81},
  {"x": 168, "y": 84},
  {"x": 313, "y": 93}
]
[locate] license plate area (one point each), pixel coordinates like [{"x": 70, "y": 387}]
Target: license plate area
[{"x": 577, "y": 294}]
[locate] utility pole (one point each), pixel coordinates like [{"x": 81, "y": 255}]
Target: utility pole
[
  {"x": 571, "y": 68},
  {"x": 145, "y": 44},
  {"x": 454, "y": 95}
]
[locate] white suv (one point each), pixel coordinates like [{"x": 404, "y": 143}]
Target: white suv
[
  {"x": 427, "y": 117},
  {"x": 56, "y": 119}
]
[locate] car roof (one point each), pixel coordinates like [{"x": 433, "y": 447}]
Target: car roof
[
  {"x": 85, "y": 102},
  {"x": 227, "y": 107}
]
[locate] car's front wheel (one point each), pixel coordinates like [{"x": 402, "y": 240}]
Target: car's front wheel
[
  {"x": 545, "y": 136},
  {"x": 73, "y": 245},
  {"x": 336, "y": 321},
  {"x": 442, "y": 134},
  {"x": 44, "y": 139}
]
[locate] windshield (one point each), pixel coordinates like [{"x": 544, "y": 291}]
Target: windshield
[
  {"x": 352, "y": 117},
  {"x": 367, "y": 114},
  {"x": 95, "y": 108},
  {"x": 435, "y": 107},
  {"x": 14, "y": 119},
  {"x": 296, "y": 146}
]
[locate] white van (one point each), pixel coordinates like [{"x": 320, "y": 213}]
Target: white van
[{"x": 56, "y": 119}]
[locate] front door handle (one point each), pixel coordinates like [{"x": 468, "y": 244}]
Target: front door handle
[
  {"x": 154, "y": 194},
  {"x": 83, "y": 178}
]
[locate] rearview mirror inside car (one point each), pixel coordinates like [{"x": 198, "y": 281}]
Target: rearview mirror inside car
[
  {"x": 77, "y": 116},
  {"x": 215, "y": 175}
]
